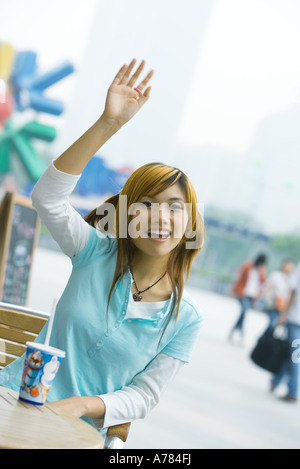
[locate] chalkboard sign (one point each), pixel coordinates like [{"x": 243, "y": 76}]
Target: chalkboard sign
[{"x": 19, "y": 228}]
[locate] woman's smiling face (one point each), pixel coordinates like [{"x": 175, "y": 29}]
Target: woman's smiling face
[{"x": 158, "y": 223}]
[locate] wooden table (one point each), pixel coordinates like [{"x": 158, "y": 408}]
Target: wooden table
[{"x": 26, "y": 426}]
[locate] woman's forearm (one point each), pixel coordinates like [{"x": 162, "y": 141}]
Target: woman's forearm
[
  {"x": 77, "y": 156},
  {"x": 94, "y": 407},
  {"x": 79, "y": 406}
]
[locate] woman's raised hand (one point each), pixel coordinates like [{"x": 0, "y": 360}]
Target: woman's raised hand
[{"x": 123, "y": 100}]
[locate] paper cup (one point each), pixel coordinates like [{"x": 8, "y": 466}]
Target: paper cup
[{"x": 40, "y": 367}]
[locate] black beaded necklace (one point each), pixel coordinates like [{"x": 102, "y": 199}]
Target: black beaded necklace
[{"x": 137, "y": 296}]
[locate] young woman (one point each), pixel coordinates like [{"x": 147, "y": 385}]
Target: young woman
[{"x": 124, "y": 320}]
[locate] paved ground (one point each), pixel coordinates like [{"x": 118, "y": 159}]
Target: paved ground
[{"x": 219, "y": 400}]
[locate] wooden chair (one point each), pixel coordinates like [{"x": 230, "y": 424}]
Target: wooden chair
[{"x": 19, "y": 325}]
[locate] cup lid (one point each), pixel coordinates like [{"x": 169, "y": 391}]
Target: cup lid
[{"x": 47, "y": 349}]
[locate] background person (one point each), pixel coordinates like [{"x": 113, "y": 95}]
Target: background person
[
  {"x": 248, "y": 288},
  {"x": 277, "y": 289},
  {"x": 291, "y": 318}
]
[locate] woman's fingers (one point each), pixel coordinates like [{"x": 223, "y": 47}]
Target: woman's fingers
[
  {"x": 136, "y": 74},
  {"x": 119, "y": 75},
  {"x": 147, "y": 92},
  {"x": 146, "y": 80},
  {"x": 128, "y": 72},
  {"x": 123, "y": 75},
  {"x": 142, "y": 99}
]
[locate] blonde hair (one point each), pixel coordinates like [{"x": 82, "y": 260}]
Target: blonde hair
[{"x": 150, "y": 180}]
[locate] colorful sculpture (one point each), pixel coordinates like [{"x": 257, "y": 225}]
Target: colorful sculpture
[{"x": 22, "y": 87}]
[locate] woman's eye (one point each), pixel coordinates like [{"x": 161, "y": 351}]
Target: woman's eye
[
  {"x": 147, "y": 204},
  {"x": 176, "y": 207}
]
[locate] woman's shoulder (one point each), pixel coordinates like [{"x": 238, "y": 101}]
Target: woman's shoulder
[
  {"x": 99, "y": 245},
  {"x": 191, "y": 304}
]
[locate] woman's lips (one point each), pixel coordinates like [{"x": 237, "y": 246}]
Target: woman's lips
[{"x": 159, "y": 236}]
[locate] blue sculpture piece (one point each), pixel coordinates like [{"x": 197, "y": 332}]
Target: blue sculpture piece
[
  {"x": 29, "y": 84},
  {"x": 98, "y": 179}
]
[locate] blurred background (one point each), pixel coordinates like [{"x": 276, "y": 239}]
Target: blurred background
[{"x": 225, "y": 109}]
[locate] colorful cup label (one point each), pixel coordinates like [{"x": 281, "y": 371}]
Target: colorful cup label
[{"x": 40, "y": 369}]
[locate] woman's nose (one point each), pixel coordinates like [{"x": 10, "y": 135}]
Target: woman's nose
[{"x": 160, "y": 215}]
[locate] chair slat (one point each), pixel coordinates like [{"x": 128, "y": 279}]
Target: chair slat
[
  {"x": 15, "y": 335},
  {"x": 22, "y": 321},
  {"x": 6, "y": 359},
  {"x": 120, "y": 431},
  {"x": 17, "y": 328},
  {"x": 12, "y": 349}
]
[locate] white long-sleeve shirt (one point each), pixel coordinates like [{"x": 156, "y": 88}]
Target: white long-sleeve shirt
[{"x": 51, "y": 199}]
